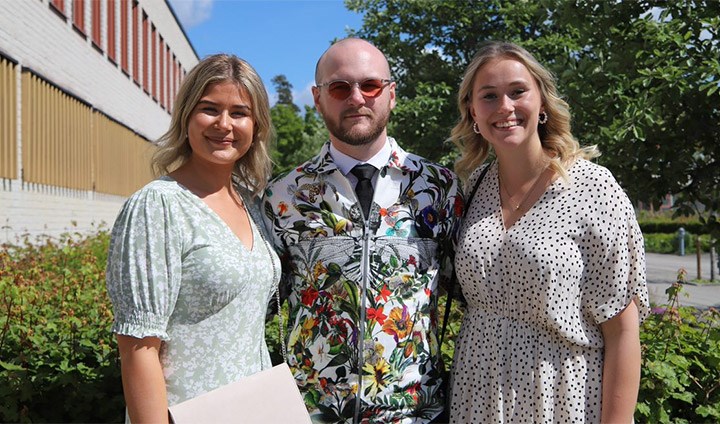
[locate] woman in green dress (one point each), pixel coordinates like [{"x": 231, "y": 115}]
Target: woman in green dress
[{"x": 189, "y": 272}]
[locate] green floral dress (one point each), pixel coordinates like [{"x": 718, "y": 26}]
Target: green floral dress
[
  {"x": 363, "y": 294},
  {"x": 176, "y": 271}
]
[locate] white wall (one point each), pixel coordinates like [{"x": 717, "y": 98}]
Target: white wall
[
  {"x": 39, "y": 212},
  {"x": 34, "y": 36}
]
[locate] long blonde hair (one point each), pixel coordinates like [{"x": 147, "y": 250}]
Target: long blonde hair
[
  {"x": 555, "y": 135},
  {"x": 254, "y": 168}
]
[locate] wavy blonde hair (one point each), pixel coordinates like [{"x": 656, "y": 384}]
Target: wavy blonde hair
[
  {"x": 555, "y": 135},
  {"x": 254, "y": 168}
]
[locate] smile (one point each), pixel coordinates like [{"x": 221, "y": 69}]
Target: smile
[
  {"x": 508, "y": 124},
  {"x": 220, "y": 140}
]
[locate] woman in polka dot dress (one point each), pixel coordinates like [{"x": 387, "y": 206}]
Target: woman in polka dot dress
[{"x": 550, "y": 259}]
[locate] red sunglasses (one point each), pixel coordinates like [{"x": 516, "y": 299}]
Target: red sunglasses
[{"x": 341, "y": 89}]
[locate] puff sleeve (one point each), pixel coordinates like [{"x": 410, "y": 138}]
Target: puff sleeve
[{"x": 144, "y": 265}]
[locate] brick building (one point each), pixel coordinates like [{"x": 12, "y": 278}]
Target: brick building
[{"x": 85, "y": 85}]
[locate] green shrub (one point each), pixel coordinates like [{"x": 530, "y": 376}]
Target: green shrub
[
  {"x": 58, "y": 358},
  {"x": 670, "y": 243},
  {"x": 680, "y": 380},
  {"x": 664, "y": 222},
  {"x": 59, "y": 361}
]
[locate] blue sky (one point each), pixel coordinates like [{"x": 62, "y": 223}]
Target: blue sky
[{"x": 274, "y": 36}]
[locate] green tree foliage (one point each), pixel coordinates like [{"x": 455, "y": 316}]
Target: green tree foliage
[
  {"x": 283, "y": 88},
  {"x": 641, "y": 78},
  {"x": 298, "y": 137}
]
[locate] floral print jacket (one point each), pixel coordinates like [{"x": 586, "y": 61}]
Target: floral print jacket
[{"x": 363, "y": 293}]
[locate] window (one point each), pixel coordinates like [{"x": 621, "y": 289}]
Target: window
[
  {"x": 79, "y": 15},
  {"x": 96, "y": 24},
  {"x": 154, "y": 60},
  {"x": 111, "y": 30},
  {"x": 145, "y": 35},
  {"x": 167, "y": 77},
  {"x": 161, "y": 72},
  {"x": 124, "y": 36},
  {"x": 58, "y": 6},
  {"x": 136, "y": 41}
]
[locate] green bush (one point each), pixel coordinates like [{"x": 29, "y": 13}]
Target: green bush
[
  {"x": 680, "y": 380},
  {"x": 58, "y": 359},
  {"x": 670, "y": 243},
  {"x": 664, "y": 222}
]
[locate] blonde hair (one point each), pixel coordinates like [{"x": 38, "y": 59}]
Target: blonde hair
[
  {"x": 555, "y": 135},
  {"x": 173, "y": 149}
]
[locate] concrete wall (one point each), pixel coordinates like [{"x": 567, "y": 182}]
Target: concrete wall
[{"x": 38, "y": 212}]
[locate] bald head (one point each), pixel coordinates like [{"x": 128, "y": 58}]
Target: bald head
[{"x": 347, "y": 51}]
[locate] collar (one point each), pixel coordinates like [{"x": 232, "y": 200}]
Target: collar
[
  {"x": 346, "y": 163},
  {"x": 393, "y": 157}
]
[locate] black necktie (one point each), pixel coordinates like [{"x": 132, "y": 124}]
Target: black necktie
[{"x": 364, "y": 188}]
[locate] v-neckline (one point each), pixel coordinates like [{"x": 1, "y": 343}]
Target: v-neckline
[
  {"x": 506, "y": 230},
  {"x": 222, "y": 221}
]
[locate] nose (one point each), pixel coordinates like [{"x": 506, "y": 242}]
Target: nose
[
  {"x": 224, "y": 121},
  {"x": 356, "y": 97},
  {"x": 506, "y": 104}
]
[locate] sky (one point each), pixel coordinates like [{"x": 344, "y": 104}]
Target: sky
[{"x": 274, "y": 36}]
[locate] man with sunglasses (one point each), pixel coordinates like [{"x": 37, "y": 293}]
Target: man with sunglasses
[{"x": 361, "y": 228}]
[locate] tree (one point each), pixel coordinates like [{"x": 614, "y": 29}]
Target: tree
[
  {"x": 641, "y": 78},
  {"x": 298, "y": 137},
  {"x": 283, "y": 88}
]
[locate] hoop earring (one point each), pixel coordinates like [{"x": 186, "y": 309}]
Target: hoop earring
[
  {"x": 476, "y": 130},
  {"x": 543, "y": 118}
]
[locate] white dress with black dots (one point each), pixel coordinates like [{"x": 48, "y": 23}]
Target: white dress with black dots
[{"x": 530, "y": 349}]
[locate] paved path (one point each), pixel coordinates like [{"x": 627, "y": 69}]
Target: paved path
[{"x": 662, "y": 272}]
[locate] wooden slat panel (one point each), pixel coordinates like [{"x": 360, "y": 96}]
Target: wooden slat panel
[
  {"x": 123, "y": 164},
  {"x": 8, "y": 117}
]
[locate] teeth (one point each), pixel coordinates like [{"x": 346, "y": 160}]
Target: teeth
[{"x": 507, "y": 124}]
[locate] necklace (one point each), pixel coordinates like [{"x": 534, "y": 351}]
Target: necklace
[{"x": 527, "y": 194}]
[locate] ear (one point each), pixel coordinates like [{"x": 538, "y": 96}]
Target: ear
[
  {"x": 392, "y": 95},
  {"x": 316, "y": 99},
  {"x": 471, "y": 109}
]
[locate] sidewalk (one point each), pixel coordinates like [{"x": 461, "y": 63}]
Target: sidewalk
[{"x": 662, "y": 272}]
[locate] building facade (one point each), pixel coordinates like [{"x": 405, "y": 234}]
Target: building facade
[{"x": 85, "y": 86}]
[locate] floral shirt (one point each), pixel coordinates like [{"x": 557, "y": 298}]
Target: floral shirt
[{"x": 363, "y": 293}]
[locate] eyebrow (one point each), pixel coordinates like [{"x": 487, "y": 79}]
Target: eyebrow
[
  {"x": 514, "y": 83},
  {"x": 238, "y": 106}
]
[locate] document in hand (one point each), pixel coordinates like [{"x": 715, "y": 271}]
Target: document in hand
[{"x": 270, "y": 396}]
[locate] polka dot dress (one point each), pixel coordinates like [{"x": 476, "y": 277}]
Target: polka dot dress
[{"x": 530, "y": 349}]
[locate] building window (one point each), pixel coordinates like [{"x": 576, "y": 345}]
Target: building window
[
  {"x": 58, "y": 6},
  {"x": 136, "y": 41},
  {"x": 124, "y": 51},
  {"x": 167, "y": 77},
  {"x": 154, "y": 60},
  {"x": 78, "y": 14},
  {"x": 96, "y": 24},
  {"x": 111, "y": 30},
  {"x": 145, "y": 45},
  {"x": 161, "y": 72}
]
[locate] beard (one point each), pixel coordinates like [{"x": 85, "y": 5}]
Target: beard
[{"x": 354, "y": 135}]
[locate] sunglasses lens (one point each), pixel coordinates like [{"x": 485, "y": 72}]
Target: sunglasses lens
[
  {"x": 340, "y": 90},
  {"x": 371, "y": 88}
]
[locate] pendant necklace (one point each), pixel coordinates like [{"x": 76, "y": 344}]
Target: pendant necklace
[{"x": 509, "y": 197}]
